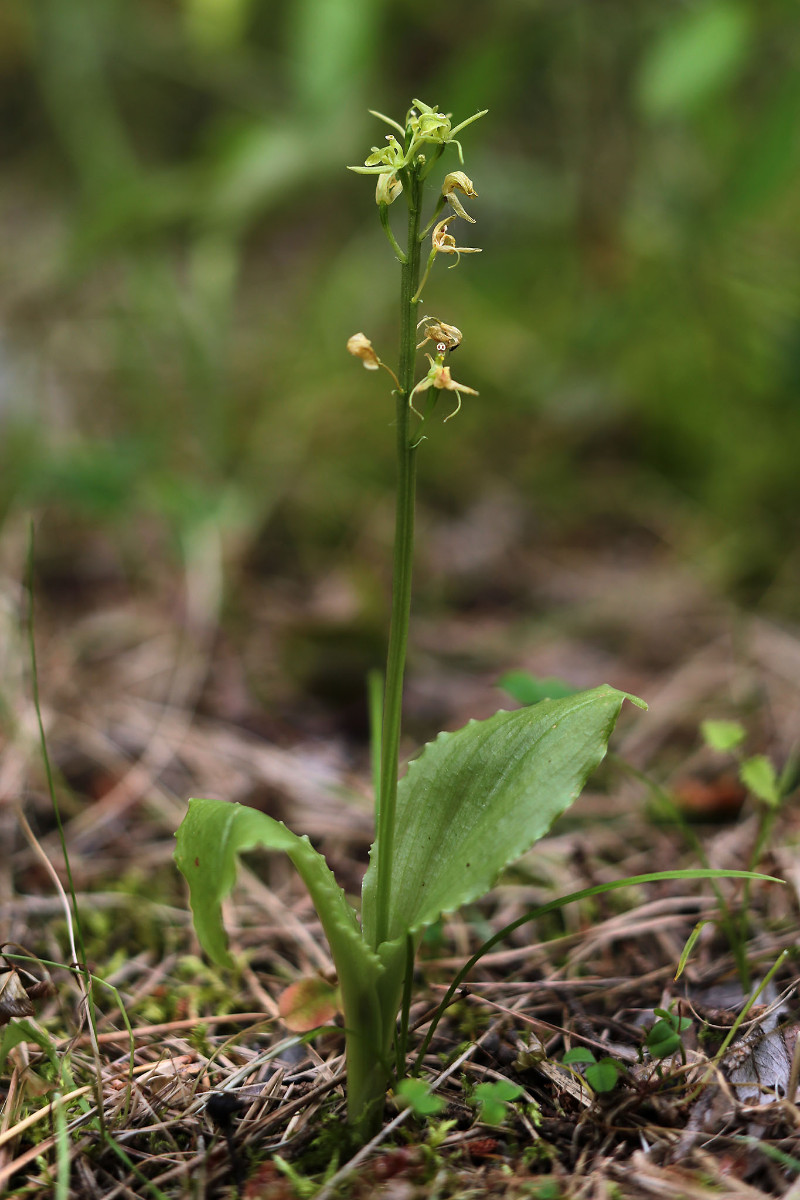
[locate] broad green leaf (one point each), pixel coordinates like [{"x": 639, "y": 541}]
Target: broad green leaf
[
  {"x": 698, "y": 54},
  {"x": 722, "y": 735},
  {"x": 477, "y": 799},
  {"x": 211, "y": 836},
  {"x": 758, "y": 774}
]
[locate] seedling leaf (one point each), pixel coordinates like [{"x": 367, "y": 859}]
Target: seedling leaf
[
  {"x": 664, "y": 1038},
  {"x": 723, "y": 736},
  {"x": 689, "y": 947},
  {"x": 477, "y": 799},
  {"x": 758, "y": 775}
]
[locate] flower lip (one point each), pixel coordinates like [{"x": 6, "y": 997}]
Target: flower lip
[{"x": 445, "y": 243}]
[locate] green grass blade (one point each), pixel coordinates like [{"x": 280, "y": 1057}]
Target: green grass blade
[{"x": 562, "y": 902}]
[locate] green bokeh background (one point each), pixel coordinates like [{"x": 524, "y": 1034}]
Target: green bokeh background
[{"x": 185, "y": 257}]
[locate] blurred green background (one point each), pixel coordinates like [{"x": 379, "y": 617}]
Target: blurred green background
[{"x": 185, "y": 256}]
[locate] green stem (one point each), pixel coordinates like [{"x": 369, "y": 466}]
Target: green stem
[
  {"x": 403, "y": 556},
  {"x": 375, "y": 701}
]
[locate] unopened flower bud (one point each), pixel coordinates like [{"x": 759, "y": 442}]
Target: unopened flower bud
[
  {"x": 387, "y": 189},
  {"x": 360, "y": 346}
]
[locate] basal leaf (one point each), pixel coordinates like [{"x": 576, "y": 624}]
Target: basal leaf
[
  {"x": 479, "y": 798},
  {"x": 211, "y": 836}
]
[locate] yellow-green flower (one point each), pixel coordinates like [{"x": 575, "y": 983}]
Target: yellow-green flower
[{"x": 439, "y": 377}]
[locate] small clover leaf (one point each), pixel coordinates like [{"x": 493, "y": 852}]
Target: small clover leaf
[
  {"x": 416, "y": 1095},
  {"x": 491, "y": 1100},
  {"x": 665, "y": 1037},
  {"x": 601, "y": 1075}
]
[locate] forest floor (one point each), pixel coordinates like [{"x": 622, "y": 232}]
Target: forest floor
[{"x": 171, "y": 686}]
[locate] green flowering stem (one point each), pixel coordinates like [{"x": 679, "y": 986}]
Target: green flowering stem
[{"x": 403, "y": 553}]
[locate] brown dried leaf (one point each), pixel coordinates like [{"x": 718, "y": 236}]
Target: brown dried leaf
[{"x": 309, "y": 1003}]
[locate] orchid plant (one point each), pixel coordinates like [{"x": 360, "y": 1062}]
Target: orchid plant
[{"x": 473, "y": 800}]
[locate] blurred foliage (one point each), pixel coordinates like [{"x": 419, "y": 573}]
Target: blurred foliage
[{"x": 186, "y": 256}]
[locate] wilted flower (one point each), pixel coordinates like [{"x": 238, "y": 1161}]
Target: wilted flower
[
  {"x": 360, "y": 346},
  {"x": 439, "y": 377},
  {"x": 440, "y": 331},
  {"x": 387, "y": 189},
  {"x": 458, "y": 181},
  {"x": 445, "y": 243}
]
